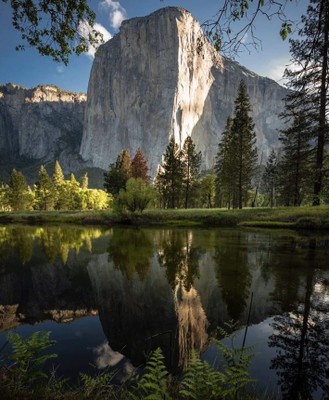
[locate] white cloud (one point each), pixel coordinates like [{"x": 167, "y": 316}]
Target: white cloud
[
  {"x": 276, "y": 69},
  {"x": 85, "y": 29},
  {"x": 60, "y": 69},
  {"x": 244, "y": 38},
  {"x": 117, "y": 12}
]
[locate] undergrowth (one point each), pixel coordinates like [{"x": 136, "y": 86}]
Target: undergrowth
[{"x": 24, "y": 376}]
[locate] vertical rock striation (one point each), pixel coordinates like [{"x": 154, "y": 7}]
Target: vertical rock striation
[
  {"x": 42, "y": 123},
  {"x": 158, "y": 78}
]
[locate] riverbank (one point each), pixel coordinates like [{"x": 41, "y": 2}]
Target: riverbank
[{"x": 316, "y": 218}]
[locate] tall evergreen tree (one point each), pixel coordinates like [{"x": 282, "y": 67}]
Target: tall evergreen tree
[
  {"x": 44, "y": 191},
  {"x": 237, "y": 155},
  {"x": 74, "y": 194},
  {"x": 294, "y": 165},
  {"x": 170, "y": 175},
  {"x": 310, "y": 81},
  {"x": 58, "y": 176},
  {"x": 244, "y": 140},
  {"x": 270, "y": 178},
  {"x": 118, "y": 174},
  {"x": 226, "y": 167},
  {"x": 19, "y": 196},
  {"x": 191, "y": 162},
  {"x": 139, "y": 167}
]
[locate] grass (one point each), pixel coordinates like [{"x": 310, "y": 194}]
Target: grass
[{"x": 285, "y": 217}]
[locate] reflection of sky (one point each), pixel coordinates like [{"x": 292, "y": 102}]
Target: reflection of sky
[
  {"x": 257, "y": 336},
  {"x": 74, "y": 346}
]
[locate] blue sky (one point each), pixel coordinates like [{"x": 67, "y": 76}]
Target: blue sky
[{"x": 28, "y": 68}]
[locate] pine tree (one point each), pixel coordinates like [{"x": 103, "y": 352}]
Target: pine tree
[
  {"x": 19, "y": 195},
  {"x": 191, "y": 162},
  {"x": 243, "y": 142},
  {"x": 310, "y": 81},
  {"x": 270, "y": 178},
  {"x": 60, "y": 200},
  {"x": 44, "y": 192},
  {"x": 294, "y": 165},
  {"x": 74, "y": 194},
  {"x": 58, "y": 176},
  {"x": 170, "y": 175},
  {"x": 118, "y": 174},
  {"x": 139, "y": 167},
  {"x": 225, "y": 167}
]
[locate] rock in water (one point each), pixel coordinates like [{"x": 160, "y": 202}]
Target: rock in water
[{"x": 160, "y": 77}]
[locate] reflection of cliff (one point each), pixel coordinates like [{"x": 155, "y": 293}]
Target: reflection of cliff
[
  {"x": 168, "y": 288},
  {"x": 180, "y": 257},
  {"x": 192, "y": 322},
  {"x": 132, "y": 311}
]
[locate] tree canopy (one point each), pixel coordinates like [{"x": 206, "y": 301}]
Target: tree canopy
[{"x": 54, "y": 27}]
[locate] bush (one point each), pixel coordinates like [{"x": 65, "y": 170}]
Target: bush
[{"x": 136, "y": 196}]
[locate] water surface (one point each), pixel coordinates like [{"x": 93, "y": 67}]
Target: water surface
[{"x": 109, "y": 296}]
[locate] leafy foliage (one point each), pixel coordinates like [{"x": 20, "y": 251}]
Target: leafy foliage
[
  {"x": 55, "y": 28},
  {"x": 136, "y": 195},
  {"x": 153, "y": 384},
  {"x": 29, "y": 358}
]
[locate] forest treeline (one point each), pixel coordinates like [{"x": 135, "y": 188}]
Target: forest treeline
[{"x": 50, "y": 193}]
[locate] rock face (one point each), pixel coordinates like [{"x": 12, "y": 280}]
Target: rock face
[
  {"x": 43, "y": 123},
  {"x": 160, "y": 78}
]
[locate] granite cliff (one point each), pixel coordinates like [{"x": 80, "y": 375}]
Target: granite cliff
[
  {"x": 39, "y": 125},
  {"x": 159, "y": 77}
]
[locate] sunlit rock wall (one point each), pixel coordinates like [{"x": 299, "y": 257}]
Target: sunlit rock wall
[{"x": 160, "y": 78}]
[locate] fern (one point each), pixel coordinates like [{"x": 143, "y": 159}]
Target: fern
[
  {"x": 200, "y": 381},
  {"x": 96, "y": 385},
  {"x": 28, "y": 356},
  {"x": 153, "y": 384},
  {"x": 235, "y": 362}
]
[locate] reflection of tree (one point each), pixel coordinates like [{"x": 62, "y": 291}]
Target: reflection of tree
[
  {"x": 179, "y": 257},
  {"x": 18, "y": 239},
  {"x": 181, "y": 260},
  {"x": 56, "y": 241},
  {"x": 302, "y": 339},
  {"x": 131, "y": 250},
  {"x": 233, "y": 274}
]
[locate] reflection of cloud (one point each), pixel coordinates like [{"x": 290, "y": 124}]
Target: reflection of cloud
[
  {"x": 106, "y": 356},
  {"x": 85, "y": 29},
  {"x": 117, "y": 12}
]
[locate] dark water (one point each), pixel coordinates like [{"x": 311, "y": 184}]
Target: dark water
[{"x": 109, "y": 296}]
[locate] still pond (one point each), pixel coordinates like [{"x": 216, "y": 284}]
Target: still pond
[{"x": 109, "y": 296}]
